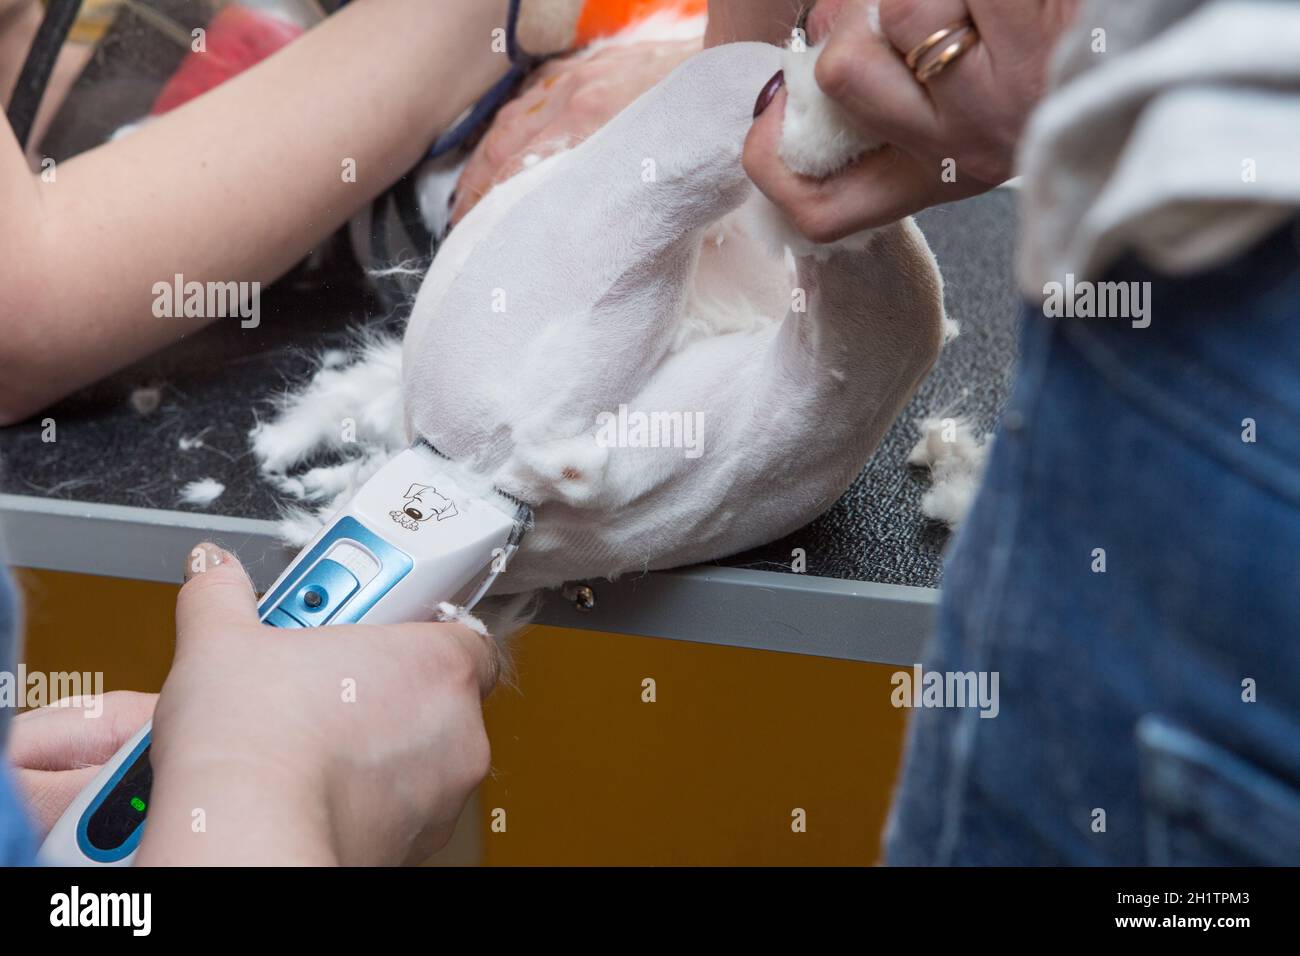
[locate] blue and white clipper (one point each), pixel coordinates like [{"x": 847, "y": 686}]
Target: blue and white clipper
[{"x": 410, "y": 539}]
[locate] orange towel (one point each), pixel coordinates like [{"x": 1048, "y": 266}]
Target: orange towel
[{"x": 602, "y": 18}]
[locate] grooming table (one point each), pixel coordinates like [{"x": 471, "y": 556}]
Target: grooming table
[{"x": 103, "y": 498}]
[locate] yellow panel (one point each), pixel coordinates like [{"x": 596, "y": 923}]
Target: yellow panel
[
  {"x": 710, "y": 773},
  {"x": 586, "y": 772},
  {"x": 80, "y": 622}
]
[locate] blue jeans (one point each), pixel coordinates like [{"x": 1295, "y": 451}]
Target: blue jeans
[{"x": 1150, "y": 712}]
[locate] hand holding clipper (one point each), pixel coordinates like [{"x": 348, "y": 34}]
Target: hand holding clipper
[{"x": 411, "y": 539}]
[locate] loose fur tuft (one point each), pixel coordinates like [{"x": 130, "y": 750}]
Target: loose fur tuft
[
  {"x": 955, "y": 459},
  {"x": 204, "y": 491}
]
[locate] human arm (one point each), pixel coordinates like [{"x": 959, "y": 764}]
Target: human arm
[
  {"x": 769, "y": 21},
  {"x": 236, "y": 185}
]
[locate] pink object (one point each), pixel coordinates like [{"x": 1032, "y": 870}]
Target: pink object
[{"x": 237, "y": 38}]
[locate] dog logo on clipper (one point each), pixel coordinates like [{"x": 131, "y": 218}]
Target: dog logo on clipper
[{"x": 422, "y": 503}]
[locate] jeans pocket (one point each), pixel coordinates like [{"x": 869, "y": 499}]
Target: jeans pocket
[{"x": 1206, "y": 806}]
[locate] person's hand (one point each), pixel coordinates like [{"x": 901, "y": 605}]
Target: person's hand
[
  {"x": 562, "y": 103},
  {"x": 355, "y": 744},
  {"x": 57, "y": 750},
  {"x": 947, "y": 139}
]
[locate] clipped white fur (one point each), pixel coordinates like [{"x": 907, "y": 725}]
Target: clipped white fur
[
  {"x": 365, "y": 393},
  {"x": 450, "y": 612},
  {"x": 146, "y": 400},
  {"x": 204, "y": 491},
  {"x": 353, "y": 395},
  {"x": 955, "y": 458},
  {"x": 310, "y": 421}
]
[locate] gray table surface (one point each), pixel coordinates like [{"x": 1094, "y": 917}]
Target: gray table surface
[{"x": 103, "y": 498}]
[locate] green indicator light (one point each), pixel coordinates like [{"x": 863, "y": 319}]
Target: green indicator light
[{"x": 138, "y": 804}]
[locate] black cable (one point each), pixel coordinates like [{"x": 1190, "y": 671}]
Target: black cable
[{"x": 57, "y": 23}]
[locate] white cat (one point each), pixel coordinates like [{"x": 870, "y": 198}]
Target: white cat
[{"x": 844, "y": 366}]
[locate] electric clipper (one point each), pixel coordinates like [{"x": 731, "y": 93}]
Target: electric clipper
[{"x": 410, "y": 539}]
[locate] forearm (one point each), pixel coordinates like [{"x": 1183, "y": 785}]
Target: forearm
[
  {"x": 769, "y": 21},
  {"x": 235, "y": 186}
]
